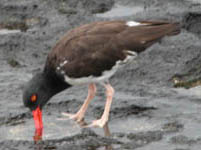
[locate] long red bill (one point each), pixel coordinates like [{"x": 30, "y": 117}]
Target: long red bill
[{"x": 37, "y": 116}]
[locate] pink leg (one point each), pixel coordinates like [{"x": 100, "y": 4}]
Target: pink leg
[
  {"x": 80, "y": 114},
  {"x": 104, "y": 118}
]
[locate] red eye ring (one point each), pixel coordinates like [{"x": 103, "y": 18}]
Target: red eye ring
[{"x": 33, "y": 97}]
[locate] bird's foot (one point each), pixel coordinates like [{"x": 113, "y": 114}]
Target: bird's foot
[
  {"x": 77, "y": 117},
  {"x": 98, "y": 123}
]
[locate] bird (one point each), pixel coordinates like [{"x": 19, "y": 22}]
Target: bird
[{"x": 89, "y": 55}]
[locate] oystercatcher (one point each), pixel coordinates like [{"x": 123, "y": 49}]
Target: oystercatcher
[{"x": 91, "y": 54}]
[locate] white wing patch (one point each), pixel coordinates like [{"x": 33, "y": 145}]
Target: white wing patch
[
  {"x": 105, "y": 75},
  {"x": 133, "y": 23}
]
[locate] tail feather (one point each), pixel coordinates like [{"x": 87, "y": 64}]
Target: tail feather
[
  {"x": 176, "y": 28},
  {"x": 172, "y": 28},
  {"x": 160, "y": 30},
  {"x": 138, "y": 38}
]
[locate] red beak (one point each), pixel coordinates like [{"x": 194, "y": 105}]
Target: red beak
[{"x": 37, "y": 116}]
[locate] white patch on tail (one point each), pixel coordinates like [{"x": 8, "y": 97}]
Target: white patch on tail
[{"x": 132, "y": 23}]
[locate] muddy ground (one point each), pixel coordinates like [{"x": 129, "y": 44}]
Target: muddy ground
[{"x": 157, "y": 104}]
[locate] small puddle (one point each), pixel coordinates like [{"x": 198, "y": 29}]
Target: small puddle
[
  {"x": 53, "y": 129},
  {"x": 192, "y": 128},
  {"x": 195, "y": 91},
  {"x": 121, "y": 11},
  {"x": 6, "y": 31}
]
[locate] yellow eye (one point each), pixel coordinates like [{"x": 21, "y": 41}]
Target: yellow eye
[{"x": 33, "y": 97}]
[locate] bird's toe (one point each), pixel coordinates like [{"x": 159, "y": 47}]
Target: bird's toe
[
  {"x": 76, "y": 117},
  {"x": 100, "y": 123}
]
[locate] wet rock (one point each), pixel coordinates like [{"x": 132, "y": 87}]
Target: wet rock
[
  {"x": 172, "y": 127},
  {"x": 14, "y": 25},
  {"x": 181, "y": 149},
  {"x": 119, "y": 135},
  {"x": 141, "y": 139},
  {"x": 192, "y": 23},
  {"x": 131, "y": 145},
  {"x": 13, "y": 63},
  {"x": 192, "y": 71},
  {"x": 93, "y": 6},
  {"x": 122, "y": 112},
  {"x": 13, "y": 120},
  {"x": 186, "y": 84},
  {"x": 67, "y": 10},
  {"x": 63, "y": 106},
  {"x": 146, "y": 137},
  {"x": 181, "y": 139}
]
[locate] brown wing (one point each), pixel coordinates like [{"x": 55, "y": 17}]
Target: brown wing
[{"x": 94, "y": 48}]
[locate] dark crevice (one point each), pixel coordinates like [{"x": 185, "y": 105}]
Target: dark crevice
[{"x": 192, "y": 23}]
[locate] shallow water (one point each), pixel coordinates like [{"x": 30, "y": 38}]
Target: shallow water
[
  {"x": 5, "y": 31},
  {"x": 53, "y": 129}
]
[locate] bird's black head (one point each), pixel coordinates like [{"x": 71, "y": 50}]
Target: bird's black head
[
  {"x": 37, "y": 92},
  {"x": 40, "y": 89}
]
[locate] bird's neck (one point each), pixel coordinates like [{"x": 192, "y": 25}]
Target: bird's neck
[{"x": 54, "y": 83}]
